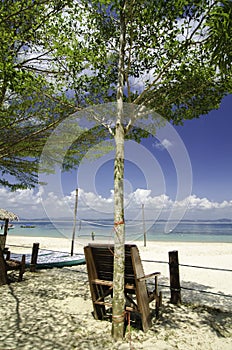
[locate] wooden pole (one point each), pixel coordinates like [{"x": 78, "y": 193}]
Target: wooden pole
[
  {"x": 6, "y": 226},
  {"x": 174, "y": 277},
  {"x": 34, "y": 256},
  {"x": 144, "y": 228},
  {"x": 2, "y": 241},
  {"x": 74, "y": 223},
  {"x": 3, "y": 275}
]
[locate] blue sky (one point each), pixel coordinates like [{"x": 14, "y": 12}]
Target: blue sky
[
  {"x": 157, "y": 173},
  {"x": 209, "y": 144}
]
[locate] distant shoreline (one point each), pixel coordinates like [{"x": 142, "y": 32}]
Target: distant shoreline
[{"x": 70, "y": 219}]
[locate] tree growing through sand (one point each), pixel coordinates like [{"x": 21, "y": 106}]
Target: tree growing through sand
[{"x": 155, "y": 54}]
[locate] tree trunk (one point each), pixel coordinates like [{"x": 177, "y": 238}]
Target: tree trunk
[
  {"x": 119, "y": 238},
  {"x": 119, "y": 225}
]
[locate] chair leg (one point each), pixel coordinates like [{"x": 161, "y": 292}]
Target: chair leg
[
  {"x": 99, "y": 310},
  {"x": 158, "y": 304},
  {"x": 146, "y": 320}
]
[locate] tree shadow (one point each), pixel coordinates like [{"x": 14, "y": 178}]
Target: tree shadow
[
  {"x": 198, "y": 309},
  {"x": 33, "y": 313}
]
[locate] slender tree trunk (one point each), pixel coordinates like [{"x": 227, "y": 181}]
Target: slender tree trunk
[
  {"x": 119, "y": 238},
  {"x": 119, "y": 225}
]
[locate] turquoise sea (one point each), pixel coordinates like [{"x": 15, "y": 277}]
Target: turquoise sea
[{"x": 185, "y": 231}]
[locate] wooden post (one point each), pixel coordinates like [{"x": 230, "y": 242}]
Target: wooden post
[
  {"x": 144, "y": 228},
  {"x": 6, "y": 227},
  {"x": 2, "y": 241},
  {"x": 174, "y": 277},
  {"x": 3, "y": 275},
  {"x": 34, "y": 256},
  {"x": 74, "y": 223}
]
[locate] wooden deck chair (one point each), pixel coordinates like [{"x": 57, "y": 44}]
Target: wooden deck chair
[
  {"x": 100, "y": 260},
  {"x": 8, "y": 264}
]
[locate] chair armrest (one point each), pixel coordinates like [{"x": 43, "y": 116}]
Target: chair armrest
[{"x": 150, "y": 275}]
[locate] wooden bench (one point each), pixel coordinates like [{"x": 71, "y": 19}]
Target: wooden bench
[
  {"x": 8, "y": 264},
  {"x": 100, "y": 260}
]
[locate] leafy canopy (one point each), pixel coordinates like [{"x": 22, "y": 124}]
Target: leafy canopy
[
  {"x": 32, "y": 100},
  {"x": 170, "y": 65},
  {"x": 60, "y": 57}
]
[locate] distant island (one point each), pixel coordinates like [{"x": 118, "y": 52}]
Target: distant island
[{"x": 111, "y": 220}]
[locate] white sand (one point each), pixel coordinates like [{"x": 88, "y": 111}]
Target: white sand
[
  {"x": 215, "y": 255},
  {"x": 51, "y": 309}
]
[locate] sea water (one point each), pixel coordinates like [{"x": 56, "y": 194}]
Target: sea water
[{"x": 184, "y": 231}]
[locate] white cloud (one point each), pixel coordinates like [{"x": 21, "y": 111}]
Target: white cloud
[
  {"x": 29, "y": 204},
  {"x": 164, "y": 144},
  {"x": 141, "y": 196},
  {"x": 22, "y": 202},
  {"x": 197, "y": 203}
]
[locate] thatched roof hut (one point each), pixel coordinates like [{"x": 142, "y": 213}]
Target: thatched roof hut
[{"x": 7, "y": 215}]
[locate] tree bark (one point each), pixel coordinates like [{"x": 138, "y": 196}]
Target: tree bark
[
  {"x": 119, "y": 238},
  {"x": 119, "y": 225}
]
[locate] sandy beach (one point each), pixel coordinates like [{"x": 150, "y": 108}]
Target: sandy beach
[{"x": 51, "y": 309}]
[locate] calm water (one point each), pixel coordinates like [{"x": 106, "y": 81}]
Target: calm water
[{"x": 183, "y": 232}]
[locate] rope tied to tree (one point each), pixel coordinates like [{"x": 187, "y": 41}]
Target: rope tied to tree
[
  {"x": 117, "y": 223},
  {"x": 118, "y": 318}
]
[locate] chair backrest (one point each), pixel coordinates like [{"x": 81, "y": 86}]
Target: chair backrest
[
  {"x": 100, "y": 266},
  {"x": 103, "y": 261}
]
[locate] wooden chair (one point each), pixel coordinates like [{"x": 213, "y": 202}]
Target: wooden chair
[
  {"x": 100, "y": 260},
  {"x": 8, "y": 264}
]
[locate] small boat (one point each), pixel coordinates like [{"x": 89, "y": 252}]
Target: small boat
[
  {"x": 27, "y": 226},
  {"x": 10, "y": 226}
]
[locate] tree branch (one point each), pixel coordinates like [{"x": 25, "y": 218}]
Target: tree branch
[{"x": 188, "y": 42}]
